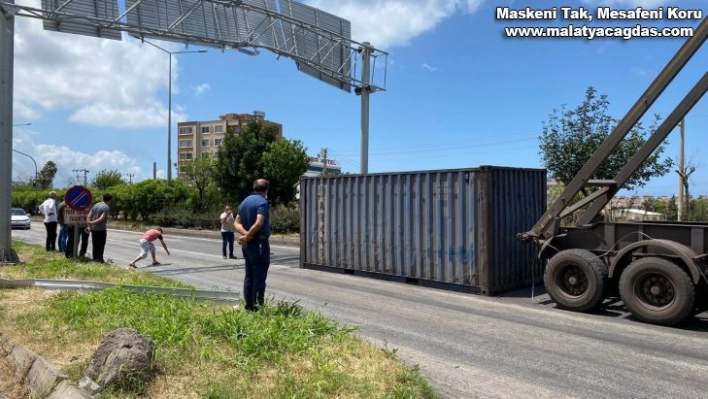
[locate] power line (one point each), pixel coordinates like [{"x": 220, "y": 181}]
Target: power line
[{"x": 457, "y": 146}]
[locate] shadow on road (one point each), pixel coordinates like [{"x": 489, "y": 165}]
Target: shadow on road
[
  {"x": 612, "y": 307},
  {"x": 195, "y": 270}
]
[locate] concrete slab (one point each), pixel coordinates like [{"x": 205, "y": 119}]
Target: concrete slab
[
  {"x": 24, "y": 359},
  {"x": 67, "y": 391},
  {"x": 43, "y": 377}
]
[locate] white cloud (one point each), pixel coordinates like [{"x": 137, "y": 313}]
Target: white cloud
[
  {"x": 201, "y": 89},
  {"x": 390, "y": 23},
  {"x": 67, "y": 161},
  {"x": 101, "y": 82},
  {"x": 430, "y": 68}
]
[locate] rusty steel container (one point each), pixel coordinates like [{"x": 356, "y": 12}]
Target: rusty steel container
[{"x": 453, "y": 229}]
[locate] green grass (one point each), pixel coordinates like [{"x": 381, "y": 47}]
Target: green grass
[{"x": 203, "y": 349}]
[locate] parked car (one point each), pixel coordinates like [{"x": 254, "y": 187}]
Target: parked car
[{"x": 20, "y": 219}]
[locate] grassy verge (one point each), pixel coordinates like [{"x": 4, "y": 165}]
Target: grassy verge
[{"x": 203, "y": 349}]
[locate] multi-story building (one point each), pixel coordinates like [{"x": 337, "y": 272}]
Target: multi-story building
[{"x": 203, "y": 138}]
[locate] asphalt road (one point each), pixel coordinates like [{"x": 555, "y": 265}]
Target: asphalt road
[{"x": 467, "y": 346}]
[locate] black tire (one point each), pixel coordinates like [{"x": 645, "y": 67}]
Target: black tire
[
  {"x": 575, "y": 280},
  {"x": 657, "y": 291}
]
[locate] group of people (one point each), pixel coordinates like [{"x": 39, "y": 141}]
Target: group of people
[
  {"x": 251, "y": 222},
  {"x": 95, "y": 225}
]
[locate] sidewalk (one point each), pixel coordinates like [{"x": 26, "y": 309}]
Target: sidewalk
[{"x": 292, "y": 240}]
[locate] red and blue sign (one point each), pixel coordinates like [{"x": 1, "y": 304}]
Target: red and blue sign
[{"x": 78, "y": 198}]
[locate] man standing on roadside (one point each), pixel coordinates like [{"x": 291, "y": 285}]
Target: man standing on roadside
[
  {"x": 253, "y": 223},
  {"x": 97, "y": 221},
  {"x": 49, "y": 210},
  {"x": 227, "y": 232}
]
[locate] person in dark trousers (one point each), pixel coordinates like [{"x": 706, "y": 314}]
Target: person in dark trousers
[
  {"x": 63, "y": 227},
  {"x": 83, "y": 237},
  {"x": 49, "y": 210},
  {"x": 253, "y": 224},
  {"x": 227, "y": 232},
  {"x": 97, "y": 221}
]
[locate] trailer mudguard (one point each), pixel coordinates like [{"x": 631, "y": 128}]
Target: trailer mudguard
[{"x": 685, "y": 253}]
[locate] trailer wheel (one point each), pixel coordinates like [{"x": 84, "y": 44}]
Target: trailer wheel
[
  {"x": 657, "y": 291},
  {"x": 575, "y": 279}
]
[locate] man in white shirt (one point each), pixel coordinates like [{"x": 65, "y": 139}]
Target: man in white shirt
[
  {"x": 49, "y": 210},
  {"x": 227, "y": 232}
]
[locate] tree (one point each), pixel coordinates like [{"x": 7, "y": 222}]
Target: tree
[
  {"x": 283, "y": 163},
  {"x": 568, "y": 141},
  {"x": 240, "y": 158},
  {"x": 200, "y": 172},
  {"x": 107, "y": 178},
  {"x": 46, "y": 175}
]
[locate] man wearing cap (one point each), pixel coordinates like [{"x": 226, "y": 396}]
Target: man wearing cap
[{"x": 49, "y": 210}]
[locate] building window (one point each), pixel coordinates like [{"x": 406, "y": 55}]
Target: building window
[
  {"x": 219, "y": 129},
  {"x": 184, "y": 156},
  {"x": 185, "y": 130},
  {"x": 205, "y": 142},
  {"x": 185, "y": 144},
  {"x": 205, "y": 130},
  {"x": 217, "y": 142}
]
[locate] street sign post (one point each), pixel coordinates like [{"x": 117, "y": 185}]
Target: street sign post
[{"x": 78, "y": 201}]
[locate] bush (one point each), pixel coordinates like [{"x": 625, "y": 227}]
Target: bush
[
  {"x": 285, "y": 220},
  {"x": 182, "y": 217}
]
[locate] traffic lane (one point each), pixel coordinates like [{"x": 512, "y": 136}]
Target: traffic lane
[
  {"x": 474, "y": 346},
  {"x": 123, "y": 246}
]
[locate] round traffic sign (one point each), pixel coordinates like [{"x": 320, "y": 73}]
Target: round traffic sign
[{"x": 78, "y": 198}]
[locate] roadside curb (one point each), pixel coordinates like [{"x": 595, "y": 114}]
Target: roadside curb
[
  {"x": 43, "y": 378},
  {"x": 274, "y": 239}
]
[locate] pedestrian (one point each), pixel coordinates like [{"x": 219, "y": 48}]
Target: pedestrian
[
  {"x": 253, "y": 223},
  {"x": 97, "y": 220},
  {"x": 146, "y": 245},
  {"x": 83, "y": 236},
  {"x": 227, "y": 232},
  {"x": 63, "y": 227},
  {"x": 49, "y": 210}
]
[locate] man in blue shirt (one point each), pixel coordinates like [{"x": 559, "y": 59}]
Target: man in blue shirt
[{"x": 253, "y": 223}]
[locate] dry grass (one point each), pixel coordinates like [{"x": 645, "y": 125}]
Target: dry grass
[{"x": 12, "y": 386}]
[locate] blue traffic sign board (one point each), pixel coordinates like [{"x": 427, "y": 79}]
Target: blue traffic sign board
[{"x": 78, "y": 198}]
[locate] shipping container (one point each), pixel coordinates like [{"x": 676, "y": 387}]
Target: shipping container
[{"x": 454, "y": 229}]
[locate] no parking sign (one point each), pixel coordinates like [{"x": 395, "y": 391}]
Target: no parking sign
[{"x": 78, "y": 200}]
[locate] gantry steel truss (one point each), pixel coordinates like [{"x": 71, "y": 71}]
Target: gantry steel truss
[{"x": 320, "y": 43}]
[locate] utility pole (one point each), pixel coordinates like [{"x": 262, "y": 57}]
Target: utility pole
[
  {"x": 323, "y": 157},
  {"x": 682, "y": 174},
  {"x": 86, "y": 172},
  {"x": 130, "y": 177}
]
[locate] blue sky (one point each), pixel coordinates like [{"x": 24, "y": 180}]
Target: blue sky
[{"x": 459, "y": 94}]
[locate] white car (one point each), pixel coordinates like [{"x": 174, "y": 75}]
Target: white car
[{"x": 20, "y": 219}]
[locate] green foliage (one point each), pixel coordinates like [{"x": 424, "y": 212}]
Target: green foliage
[
  {"x": 30, "y": 199},
  {"x": 284, "y": 162},
  {"x": 568, "y": 141},
  {"x": 46, "y": 175},
  {"x": 107, "y": 178},
  {"x": 240, "y": 158},
  {"x": 284, "y": 219},
  {"x": 200, "y": 172}
]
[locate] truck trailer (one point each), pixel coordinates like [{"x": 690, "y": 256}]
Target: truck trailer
[{"x": 658, "y": 268}]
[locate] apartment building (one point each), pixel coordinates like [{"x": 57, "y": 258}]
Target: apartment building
[{"x": 203, "y": 138}]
